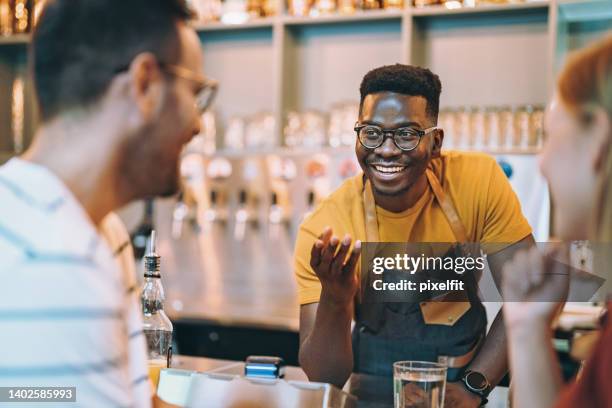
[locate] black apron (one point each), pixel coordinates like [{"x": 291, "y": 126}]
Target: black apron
[{"x": 425, "y": 331}]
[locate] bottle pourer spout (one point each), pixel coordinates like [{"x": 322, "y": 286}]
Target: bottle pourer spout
[
  {"x": 151, "y": 244},
  {"x": 151, "y": 259}
]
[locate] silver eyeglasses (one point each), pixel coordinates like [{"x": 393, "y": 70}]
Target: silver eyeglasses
[
  {"x": 208, "y": 86},
  {"x": 207, "y": 94}
]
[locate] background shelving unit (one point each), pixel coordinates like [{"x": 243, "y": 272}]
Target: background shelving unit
[
  {"x": 486, "y": 58},
  {"x": 242, "y": 61},
  {"x": 579, "y": 24},
  {"x": 485, "y": 55}
]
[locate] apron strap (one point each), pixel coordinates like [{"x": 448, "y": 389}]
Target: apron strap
[
  {"x": 447, "y": 208},
  {"x": 372, "y": 235},
  {"x": 369, "y": 206},
  {"x": 371, "y": 220},
  {"x": 371, "y": 227},
  {"x": 445, "y": 311}
]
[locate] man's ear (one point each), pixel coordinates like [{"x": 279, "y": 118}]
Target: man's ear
[
  {"x": 147, "y": 85},
  {"x": 601, "y": 131},
  {"x": 437, "y": 139}
]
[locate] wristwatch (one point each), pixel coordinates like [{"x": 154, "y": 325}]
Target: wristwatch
[{"x": 478, "y": 384}]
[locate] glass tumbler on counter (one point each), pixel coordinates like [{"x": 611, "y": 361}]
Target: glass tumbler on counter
[{"x": 419, "y": 384}]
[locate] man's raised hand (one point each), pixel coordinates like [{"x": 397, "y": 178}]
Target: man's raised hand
[{"x": 334, "y": 263}]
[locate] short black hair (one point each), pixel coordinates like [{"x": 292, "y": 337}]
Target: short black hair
[
  {"x": 78, "y": 46},
  {"x": 404, "y": 79}
]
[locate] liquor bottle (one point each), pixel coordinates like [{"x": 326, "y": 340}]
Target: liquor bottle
[
  {"x": 6, "y": 18},
  {"x": 156, "y": 325},
  {"x": 23, "y": 16},
  {"x": 143, "y": 231}
]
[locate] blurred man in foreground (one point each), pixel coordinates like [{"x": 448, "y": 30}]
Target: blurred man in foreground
[{"x": 120, "y": 91}]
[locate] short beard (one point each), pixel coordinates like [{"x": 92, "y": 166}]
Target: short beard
[
  {"x": 139, "y": 167},
  {"x": 394, "y": 193}
]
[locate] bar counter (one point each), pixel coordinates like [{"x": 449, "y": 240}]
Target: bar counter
[{"x": 371, "y": 391}]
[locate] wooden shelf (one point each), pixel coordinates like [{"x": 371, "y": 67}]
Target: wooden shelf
[
  {"x": 302, "y": 62},
  {"x": 280, "y": 151},
  {"x": 15, "y": 39},
  {"x": 482, "y": 9},
  {"x": 266, "y": 22},
  {"x": 309, "y": 151},
  {"x": 371, "y": 15},
  {"x": 510, "y": 151}
]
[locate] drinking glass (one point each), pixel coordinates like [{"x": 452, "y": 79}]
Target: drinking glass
[{"x": 419, "y": 384}]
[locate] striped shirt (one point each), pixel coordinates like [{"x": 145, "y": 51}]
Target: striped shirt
[{"x": 68, "y": 309}]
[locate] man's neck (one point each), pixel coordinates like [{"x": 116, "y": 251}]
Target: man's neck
[
  {"x": 403, "y": 201},
  {"x": 82, "y": 157}
]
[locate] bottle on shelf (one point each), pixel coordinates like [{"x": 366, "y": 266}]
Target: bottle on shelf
[
  {"x": 156, "y": 325},
  {"x": 6, "y": 18},
  {"x": 371, "y": 4},
  {"x": 18, "y": 114},
  {"x": 393, "y": 4},
  {"x": 322, "y": 7},
  {"x": 425, "y": 3},
  {"x": 23, "y": 15}
]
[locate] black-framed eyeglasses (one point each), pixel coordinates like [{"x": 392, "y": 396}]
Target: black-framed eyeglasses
[
  {"x": 208, "y": 86},
  {"x": 406, "y": 138}
]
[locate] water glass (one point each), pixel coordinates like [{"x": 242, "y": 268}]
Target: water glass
[{"x": 419, "y": 384}]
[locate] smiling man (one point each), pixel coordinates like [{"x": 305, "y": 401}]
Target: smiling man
[{"x": 409, "y": 191}]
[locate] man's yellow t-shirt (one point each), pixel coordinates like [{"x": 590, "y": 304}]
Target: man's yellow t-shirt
[{"x": 474, "y": 182}]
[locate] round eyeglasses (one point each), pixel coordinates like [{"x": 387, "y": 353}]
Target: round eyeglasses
[{"x": 406, "y": 138}]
